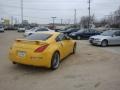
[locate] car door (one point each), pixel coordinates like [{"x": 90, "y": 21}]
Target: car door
[
  {"x": 69, "y": 44},
  {"x": 91, "y": 33},
  {"x": 86, "y": 34},
  {"x": 117, "y": 37},
  {"x": 41, "y": 29},
  {"x": 62, "y": 45}
]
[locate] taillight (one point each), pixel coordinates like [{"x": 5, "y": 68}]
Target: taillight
[{"x": 41, "y": 48}]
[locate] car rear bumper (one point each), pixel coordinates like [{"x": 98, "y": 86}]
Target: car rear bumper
[{"x": 40, "y": 60}]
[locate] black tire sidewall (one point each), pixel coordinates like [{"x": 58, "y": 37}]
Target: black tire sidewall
[
  {"x": 58, "y": 62},
  {"x": 104, "y": 41}
]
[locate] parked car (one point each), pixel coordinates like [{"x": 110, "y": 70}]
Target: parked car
[
  {"x": 1, "y": 28},
  {"x": 10, "y": 27},
  {"x": 110, "y": 37},
  {"x": 84, "y": 34},
  {"x": 45, "y": 49},
  {"x": 68, "y": 31},
  {"x": 21, "y": 29},
  {"x": 36, "y": 30}
]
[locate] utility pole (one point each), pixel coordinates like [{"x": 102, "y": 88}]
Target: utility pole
[
  {"x": 89, "y": 8},
  {"x": 53, "y": 22},
  {"x": 61, "y": 21},
  {"x": 75, "y": 17},
  {"x": 21, "y": 11},
  {"x": 11, "y": 20},
  {"x": 16, "y": 22}
]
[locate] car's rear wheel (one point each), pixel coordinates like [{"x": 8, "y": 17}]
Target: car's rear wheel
[
  {"x": 74, "y": 49},
  {"x": 55, "y": 61},
  {"x": 14, "y": 62},
  {"x": 104, "y": 43},
  {"x": 78, "y": 37}
]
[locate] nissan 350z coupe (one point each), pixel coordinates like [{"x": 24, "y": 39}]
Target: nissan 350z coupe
[{"x": 44, "y": 49}]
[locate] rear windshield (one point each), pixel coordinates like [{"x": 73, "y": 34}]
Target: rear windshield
[{"x": 39, "y": 36}]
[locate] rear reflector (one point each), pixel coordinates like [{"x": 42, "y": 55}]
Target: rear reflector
[{"x": 41, "y": 49}]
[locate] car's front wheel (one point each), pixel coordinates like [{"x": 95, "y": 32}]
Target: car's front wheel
[
  {"x": 104, "y": 43},
  {"x": 55, "y": 61},
  {"x": 14, "y": 62}
]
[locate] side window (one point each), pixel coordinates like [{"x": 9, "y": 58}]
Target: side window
[
  {"x": 44, "y": 29},
  {"x": 37, "y": 30},
  {"x": 117, "y": 33},
  {"x": 60, "y": 37}
]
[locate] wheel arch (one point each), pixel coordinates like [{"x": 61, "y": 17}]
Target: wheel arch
[{"x": 105, "y": 40}]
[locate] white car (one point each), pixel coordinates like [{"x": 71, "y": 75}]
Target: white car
[
  {"x": 21, "y": 29},
  {"x": 35, "y": 30},
  {"x": 1, "y": 29}
]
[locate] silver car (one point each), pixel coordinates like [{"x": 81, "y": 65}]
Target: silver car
[{"x": 111, "y": 37}]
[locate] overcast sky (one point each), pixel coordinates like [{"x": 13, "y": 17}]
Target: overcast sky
[{"x": 41, "y": 11}]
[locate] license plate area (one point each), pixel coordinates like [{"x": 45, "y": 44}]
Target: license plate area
[{"x": 21, "y": 53}]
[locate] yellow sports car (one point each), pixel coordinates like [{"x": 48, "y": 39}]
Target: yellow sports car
[{"x": 44, "y": 49}]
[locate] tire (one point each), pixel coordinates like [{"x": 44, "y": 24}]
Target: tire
[
  {"x": 55, "y": 61},
  {"x": 78, "y": 37},
  {"x": 104, "y": 43},
  {"x": 74, "y": 49},
  {"x": 14, "y": 62}
]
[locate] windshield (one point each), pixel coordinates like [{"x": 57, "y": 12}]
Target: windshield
[
  {"x": 69, "y": 30},
  {"x": 81, "y": 31},
  {"x": 34, "y": 29},
  {"x": 39, "y": 36},
  {"x": 108, "y": 33}
]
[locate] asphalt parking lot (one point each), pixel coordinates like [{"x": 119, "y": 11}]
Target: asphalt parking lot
[{"x": 91, "y": 68}]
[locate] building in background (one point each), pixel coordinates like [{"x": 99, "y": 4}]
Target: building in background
[{"x": 5, "y": 21}]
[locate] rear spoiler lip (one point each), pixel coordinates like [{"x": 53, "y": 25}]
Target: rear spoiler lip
[{"x": 37, "y": 41}]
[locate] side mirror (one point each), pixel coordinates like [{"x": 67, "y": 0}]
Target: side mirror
[{"x": 57, "y": 40}]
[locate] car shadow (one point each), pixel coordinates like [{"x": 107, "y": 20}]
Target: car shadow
[
  {"x": 26, "y": 69},
  {"x": 114, "y": 46},
  {"x": 104, "y": 47}
]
